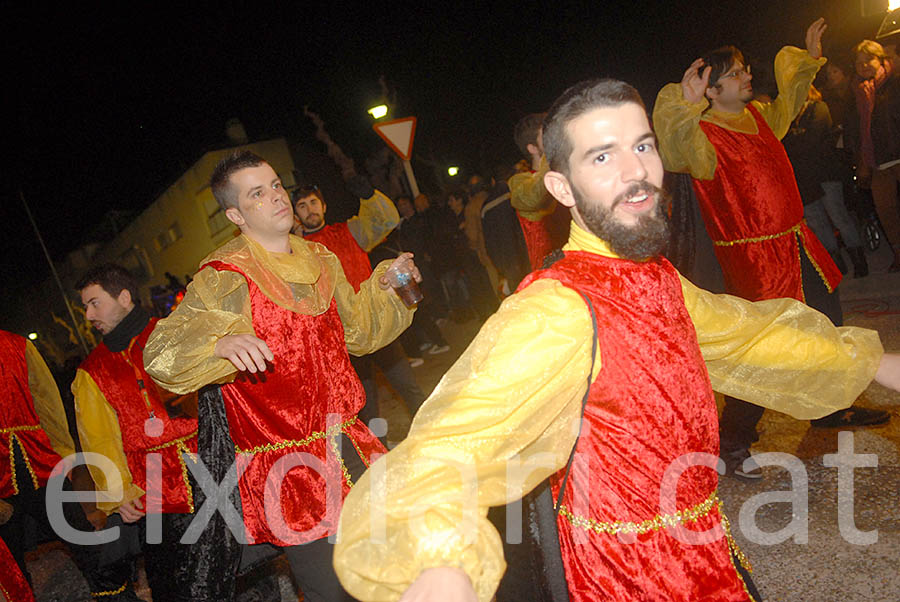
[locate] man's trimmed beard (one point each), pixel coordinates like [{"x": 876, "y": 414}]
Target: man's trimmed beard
[{"x": 647, "y": 238}]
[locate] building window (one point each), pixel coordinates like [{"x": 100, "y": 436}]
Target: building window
[{"x": 164, "y": 239}]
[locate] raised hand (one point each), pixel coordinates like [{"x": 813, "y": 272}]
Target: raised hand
[
  {"x": 247, "y": 352},
  {"x": 814, "y": 37},
  {"x": 695, "y": 82}
]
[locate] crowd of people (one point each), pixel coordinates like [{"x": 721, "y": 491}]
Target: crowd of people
[{"x": 245, "y": 423}]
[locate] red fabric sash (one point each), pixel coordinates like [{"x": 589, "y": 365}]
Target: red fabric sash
[
  {"x": 19, "y": 420},
  {"x": 753, "y": 197},
  {"x": 120, "y": 384},
  {"x": 338, "y": 239},
  {"x": 309, "y": 396},
  {"x": 12, "y": 582},
  {"x": 651, "y": 404}
]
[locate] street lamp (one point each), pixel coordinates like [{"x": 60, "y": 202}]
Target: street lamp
[
  {"x": 32, "y": 336},
  {"x": 378, "y": 111},
  {"x": 452, "y": 170}
]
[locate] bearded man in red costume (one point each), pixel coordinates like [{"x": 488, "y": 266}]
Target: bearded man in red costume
[
  {"x": 268, "y": 320},
  {"x": 124, "y": 416},
  {"x": 748, "y": 196},
  {"x": 351, "y": 241},
  {"x": 506, "y": 415}
]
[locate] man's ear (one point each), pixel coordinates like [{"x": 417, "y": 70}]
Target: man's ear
[
  {"x": 124, "y": 298},
  {"x": 558, "y": 185},
  {"x": 234, "y": 216},
  {"x": 712, "y": 92},
  {"x": 533, "y": 150}
]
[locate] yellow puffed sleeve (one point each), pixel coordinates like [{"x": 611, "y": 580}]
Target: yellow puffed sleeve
[
  {"x": 781, "y": 354},
  {"x": 179, "y": 353},
  {"x": 98, "y": 429},
  {"x": 377, "y": 217},
  {"x": 47, "y": 402},
  {"x": 683, "y": 146},
  {"x": 528, "y": 196},
  {"x": 373, "y": 317},
  {"x": 512, "y": 397},
  {"x": 795, "y": 70}
]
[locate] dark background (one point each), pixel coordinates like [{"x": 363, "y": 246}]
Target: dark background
[{"x": 110, "y": 107}]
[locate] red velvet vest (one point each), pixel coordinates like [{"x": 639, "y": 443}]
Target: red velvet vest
[
  {"x": 295, "y": 412},
  {"x": 134, "y": 396},
  {"x": 19, "y": 420},
  {"x": 545, "y": 235},
  {"x": 338, "y": 239},
  {"x": 650, "y": 405},
  {"x": 12, "y": 582},
  {"x": 754, "y": 215}
]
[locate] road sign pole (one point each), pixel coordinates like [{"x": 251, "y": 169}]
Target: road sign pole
[{"x": 413, "y": 185}]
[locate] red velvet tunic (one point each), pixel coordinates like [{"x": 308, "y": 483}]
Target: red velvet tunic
[
  {"x": 338, "y": 239},
  {"x": 126, "y": 386},
  {"x": 19, "y": 420},
  {"x": 12, "y": 582},
  {"x": 545, "y": 235},
  {"x": 753, "y": 204},
  {"x": 650, "y": 404},
  {"x": 286, "y": 424}
]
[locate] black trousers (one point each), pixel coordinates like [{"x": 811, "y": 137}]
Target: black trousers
[
  {"x": 31, "y": 503},
  {"x": 737, "y": 426}
]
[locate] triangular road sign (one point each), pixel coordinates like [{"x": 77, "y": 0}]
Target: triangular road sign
[{"x": 398, "y": 133}]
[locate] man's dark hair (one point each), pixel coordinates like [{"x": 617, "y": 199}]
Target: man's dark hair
[
  {"x": 220, "y": 182},
  {"x": 112, "y": 278},
  {"x": 304, "y": 191},
  {"x": 720, "y": 60},
  {"x": 576, "y": 101},
  {"x": 526, "y": 132}
]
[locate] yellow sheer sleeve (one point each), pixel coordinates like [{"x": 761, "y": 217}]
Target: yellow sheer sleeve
[
  {"x": 377, "y": 217},
  {"x": 514, "y": 394},
  {"x": 98, "y": 429},
  {"x": 682, "y": 144},
  {"x": 528, "y": 196},
  {"x": 795, "y": 70},
  {"x": 47, "y": 402},
  {"x": 781, "y": 354},
  {"x": 373, "y": 317},
  {"x": 179, "y": 353}
]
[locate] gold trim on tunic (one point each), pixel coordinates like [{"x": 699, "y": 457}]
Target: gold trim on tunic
[
  {"x": 745, "y": 241},
  {"x": 182, "y": 449}
]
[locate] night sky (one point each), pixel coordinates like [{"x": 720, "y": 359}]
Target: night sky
[{"x": 111, "y": 107}]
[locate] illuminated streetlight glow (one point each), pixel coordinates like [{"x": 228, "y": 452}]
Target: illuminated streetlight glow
[
  {"x": 453, "y": 170},
  {"x": 378, "y": 112},
  {"x": 893, "y": 4},
  {"x": 32, "y": 336}
]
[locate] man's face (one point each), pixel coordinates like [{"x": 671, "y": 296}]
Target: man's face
[
  {"x": 867, "y": 65},
  {"x": 614, "y": 180},
  {"x": 834, "y": 76},
  {"x": 104, "y": 311},
  {"x": 264, "y": 209},
  {"x": 455, "y": 203},
  {"x": 734, "y": 90},
  {"x": 422, "y": 203},
  {"x": 310, "y": 211}
]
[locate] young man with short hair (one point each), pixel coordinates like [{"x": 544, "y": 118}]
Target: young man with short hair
[
  {"x": 268, "y": 321},
  {"x": 123, "y": 416},
  {"x": 506, "y": 415}
]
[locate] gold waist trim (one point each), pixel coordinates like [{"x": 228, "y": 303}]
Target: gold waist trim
[
  {"x": 744, "y": 241},
  {"x": 18, "y": 429},
  {"x": 178, "y": 442},
  {"x": 182, "y": 449},
  {"x": 332, "y": 431},
  {"x": 656, "y": 523}
]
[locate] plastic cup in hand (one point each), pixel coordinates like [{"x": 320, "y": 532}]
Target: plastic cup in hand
[{"x": 401, "y": 279}]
